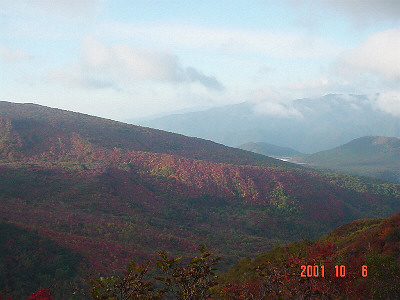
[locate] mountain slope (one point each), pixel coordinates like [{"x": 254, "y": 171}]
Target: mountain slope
[
  {"x": 360, "y": 260},
  {"x": 307, "y": 125},
  {"x": 268, "y": 149},
  {"x": 112, "y": 192},
  {"x": 375, "y": 156},
  {"x": 30, "y": 129}
]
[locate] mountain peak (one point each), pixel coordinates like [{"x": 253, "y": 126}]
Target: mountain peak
[{"x": 376, "y": 156}]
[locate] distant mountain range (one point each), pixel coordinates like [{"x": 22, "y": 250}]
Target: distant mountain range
[
  {"x": 111, "y": 192},
  {"x": 269, "y": 149},
  {"x": 374, "y": 156},
  {"x": 306, "y": 125}
]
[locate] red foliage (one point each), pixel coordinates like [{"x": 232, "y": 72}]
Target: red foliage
[{"x": 42, "y": 294}]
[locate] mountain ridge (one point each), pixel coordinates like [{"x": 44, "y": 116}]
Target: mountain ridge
[
  {"x": 118, "y": 134},
  {"x": 375, "y": 156},
  {"x": 309, "y": 125}
]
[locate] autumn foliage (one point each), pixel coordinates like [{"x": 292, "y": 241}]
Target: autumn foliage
[
  {"x": 349, "y": 262},
  {"x": 104, "y": 192}
]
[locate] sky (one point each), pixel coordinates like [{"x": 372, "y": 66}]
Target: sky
[{"x": 127, "y": 60}]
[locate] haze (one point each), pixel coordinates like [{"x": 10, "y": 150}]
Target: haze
[{"x": 129, "y": 60}]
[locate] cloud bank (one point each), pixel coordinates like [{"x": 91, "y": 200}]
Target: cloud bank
[
  {"x": 389, "y": 102},
  {"x": 277, "y": 110},
  {"x": 273, "y": 43},
  {"x": 102, "y": 65},
  {"x": 379, "y": 55}
]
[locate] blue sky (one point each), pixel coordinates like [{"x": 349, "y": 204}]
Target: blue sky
[{"x": 133, "y": 59}]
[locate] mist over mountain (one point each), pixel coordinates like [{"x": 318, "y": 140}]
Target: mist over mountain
[{"x": 306, "y": 125}]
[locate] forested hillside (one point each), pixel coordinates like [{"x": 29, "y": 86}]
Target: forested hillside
[
  {"x": 360, "y": 260},
  {"x": 110, "y": 192},
  {"x": 29, "y": 130}
]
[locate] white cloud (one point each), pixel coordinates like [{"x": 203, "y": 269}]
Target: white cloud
[
  {"x": 379, "y": 55},
  {"x": 103, "y": 65},
  {"x": 227, "y": 40},
  {"x": 315, "y": 83},
  {"x": 315, "y": 87},
  {"x": 276, "y": 109},
  {"x": 260, "y": 95},
  {"x": 74, "y": 77},
  {"x": 131, "y": 63},
  {"x": 14, "y": 55},
  {"x": 389, "y": 102},
  {"x": 69, "y": 8}
]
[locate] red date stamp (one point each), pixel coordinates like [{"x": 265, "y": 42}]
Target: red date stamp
[{"x": 319, "y": 271}]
